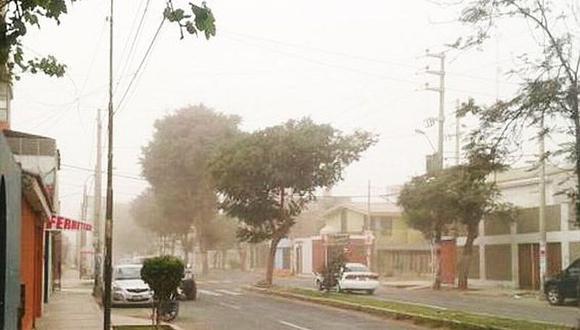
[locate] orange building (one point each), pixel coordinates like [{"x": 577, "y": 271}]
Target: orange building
[{"x": 36, "y": 213}]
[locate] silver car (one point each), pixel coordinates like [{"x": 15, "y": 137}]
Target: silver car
[{"x": 129, "y": 288}]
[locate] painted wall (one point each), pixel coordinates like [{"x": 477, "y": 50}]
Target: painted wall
[
  {"x": 31, "y": 247},
  {"x": 306, "y": 245},
  {"x": 12, "y": 175}
]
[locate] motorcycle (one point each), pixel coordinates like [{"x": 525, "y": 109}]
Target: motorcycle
[{"x": 168, "y": 310}]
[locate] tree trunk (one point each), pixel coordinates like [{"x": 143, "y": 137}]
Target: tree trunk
[
  {"x": 466, "y": 257},
  {"x": 271, "y": 258},
  {"x": 224, "y": 258},
  {"x": 243, "y": 253},
  {"x": 437, "y": 261}
]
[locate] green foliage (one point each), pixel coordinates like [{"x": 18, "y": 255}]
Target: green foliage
[
  {"x": 331, "y": 272},
  {"x": 24, "y": 14},
  {"x": 549, "y": 92},
  {"x": 268, "y": 176},
  {"x": 203, "y": 19},
  {"x": 163, "y": 275},
  {"x": 175, "y": 163}
]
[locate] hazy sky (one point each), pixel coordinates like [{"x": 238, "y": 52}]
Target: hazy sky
[{"x": 351, "y": 64}]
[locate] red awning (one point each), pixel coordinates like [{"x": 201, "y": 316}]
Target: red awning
[{"x": 62, "y": 223}]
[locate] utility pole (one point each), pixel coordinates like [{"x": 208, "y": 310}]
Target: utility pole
[
  {"x": 368, "y": 233},
  {"x": 108, "y": 266},
  {"x": 441, "y": 91},
  {"x": 457, "y": 136},
  {"x": 97, "y": 212},
  {"x": 83, "y": 234},
  {"x": 542, "y": 209}
]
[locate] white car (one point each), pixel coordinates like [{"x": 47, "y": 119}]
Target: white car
[
  {"x": 129, "y": 288},
  {"x": 357, "y": 277}
]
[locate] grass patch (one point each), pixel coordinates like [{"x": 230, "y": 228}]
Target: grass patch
[
  {"x": 416, "y": 313},
  {"x": 141, "y": 327}
]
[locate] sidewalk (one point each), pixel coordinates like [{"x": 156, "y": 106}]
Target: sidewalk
[
  {"x": 71, "y": 308},
  {"x": 74, "y": 307}
]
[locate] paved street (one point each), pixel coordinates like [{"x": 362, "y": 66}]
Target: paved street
[
  {"x": 223, "y": 305},
  {"x": 528, "y": 308}
]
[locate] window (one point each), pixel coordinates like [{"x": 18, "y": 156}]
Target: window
[{"x": 381, "y": 224}]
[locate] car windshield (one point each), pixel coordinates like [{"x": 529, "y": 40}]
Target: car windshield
[
  {"x": 128, "y": 273},
  {"x": 356, "y": 268}
]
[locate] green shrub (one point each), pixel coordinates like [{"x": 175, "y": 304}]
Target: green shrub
[{"x": 163, "y": 275}]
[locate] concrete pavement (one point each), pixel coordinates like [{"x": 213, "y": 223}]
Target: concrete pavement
[{"x": 73, "y": 307}]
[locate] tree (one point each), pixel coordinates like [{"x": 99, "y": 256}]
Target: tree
[
  {"x": 20, "y": 15},
  {"x": 175, "y": 163},
  {"x": 550, "y": 88},
  {"x": 266, "y": 178},
  {"x": 459, "y": 195},
  {"x": 163, "y": 275},
  {"x": 425, "y": 203},
  {"x": 221, "y": 236},
  {"x": 147, "y": 213}
]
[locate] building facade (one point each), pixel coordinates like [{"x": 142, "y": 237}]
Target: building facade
[{"x": 507, "y": 253}]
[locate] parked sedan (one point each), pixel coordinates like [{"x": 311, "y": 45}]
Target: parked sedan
[
  {"x": 357, "y": 277},
  {"x": 129, "y": 288},
  {"x": 564, "y": 285}
]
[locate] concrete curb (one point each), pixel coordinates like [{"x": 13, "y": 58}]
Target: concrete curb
[{"x": 385, "y": 312}]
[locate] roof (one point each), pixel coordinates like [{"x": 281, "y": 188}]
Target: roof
[
  {"x": 375, "y": 208},
  {"x": 35, "y": 192},
  {"x": 17, "y": 134}
]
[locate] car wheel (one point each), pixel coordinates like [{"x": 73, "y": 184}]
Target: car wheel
[{"x": 554, "y": 296}]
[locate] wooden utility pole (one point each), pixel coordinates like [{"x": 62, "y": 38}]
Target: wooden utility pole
[{"x": 108, "y": 264}]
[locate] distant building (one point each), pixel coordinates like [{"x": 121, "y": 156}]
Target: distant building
[
  {"x": 384, "y": 241},
  {"x": 507, "y": 253}
]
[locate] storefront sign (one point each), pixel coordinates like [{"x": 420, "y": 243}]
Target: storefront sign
[{"x": 62, "y": 223}]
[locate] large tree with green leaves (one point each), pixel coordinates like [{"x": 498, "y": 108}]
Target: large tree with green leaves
[
  {"x": 175, "y": 163},
  {"x": 21, "y": 15},
  {"x": 266, "y": 178},
  {"x": 425, "y": 203},
  {"x": 460, "y": 196},
  {"x": 550, "y": 72}
]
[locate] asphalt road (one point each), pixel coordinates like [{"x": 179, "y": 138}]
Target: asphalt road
[
  {"x": 526, "y": 308},
  {"x": 222, "y": 304}
]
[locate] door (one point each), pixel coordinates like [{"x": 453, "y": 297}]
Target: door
[
  {"x": 448, "y": 261},
  {"x": 554, "y": 252},
  {"x": 529, "y": 266},
  {"x": 2, "y": 249}
]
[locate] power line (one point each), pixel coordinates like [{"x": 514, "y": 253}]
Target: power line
[
  {"x": 120, "y": 104},
  {"x": 133, "y": 43}
]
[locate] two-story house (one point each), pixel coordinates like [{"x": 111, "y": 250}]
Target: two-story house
[{"x": 384, "y": 241}]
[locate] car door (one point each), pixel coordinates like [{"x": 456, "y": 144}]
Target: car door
[{"x": 571, "y": 278}]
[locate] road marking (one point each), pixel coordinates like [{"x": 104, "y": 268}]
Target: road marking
[
  {"x": 232, "y": 293},
  {"x": 292, "y": 325},
  {"x": 230, "y": 305},
  {"x": 209, "y": 293}
]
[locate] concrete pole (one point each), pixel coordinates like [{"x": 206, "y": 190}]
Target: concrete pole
[
  {"x": 457, "y": 137},
  {"x": 542, "y": 208},
  {"x": 441, "y": 117},
  {"x": 97, "y": 211}
]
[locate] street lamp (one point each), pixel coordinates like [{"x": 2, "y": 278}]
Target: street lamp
[{"x": 421, "y": 132}]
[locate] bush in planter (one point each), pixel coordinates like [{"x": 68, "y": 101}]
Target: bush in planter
[{"x": 163, "y": 275}]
